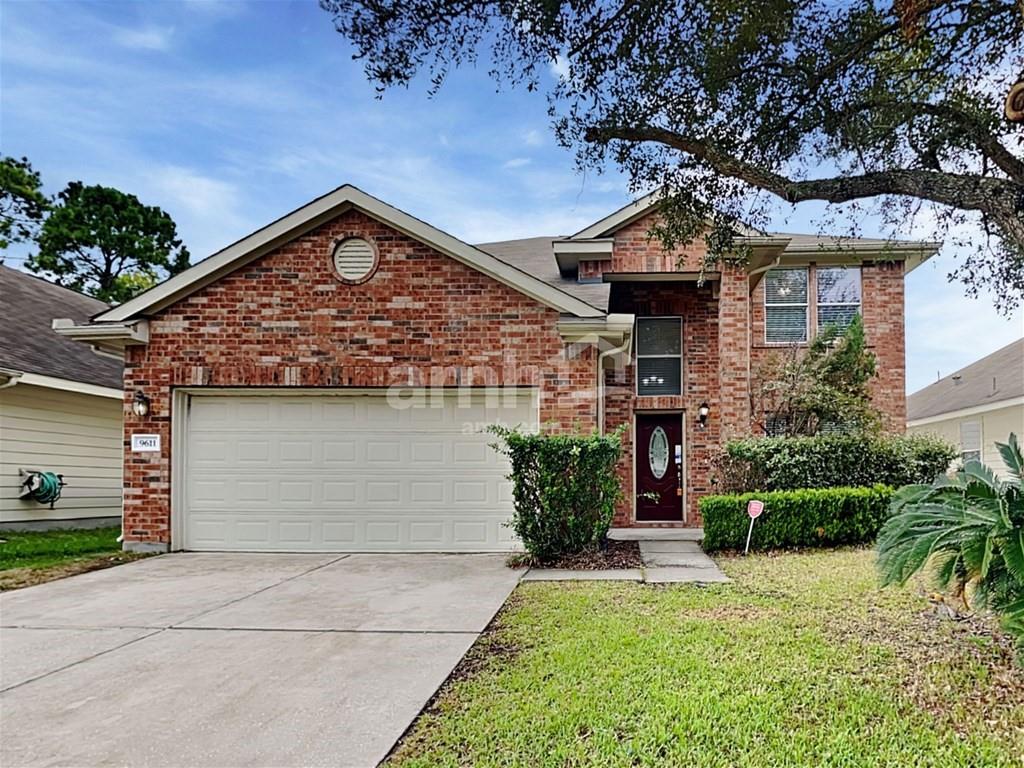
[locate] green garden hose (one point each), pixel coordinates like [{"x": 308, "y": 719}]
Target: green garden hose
[{"x": 45, "y": 487}]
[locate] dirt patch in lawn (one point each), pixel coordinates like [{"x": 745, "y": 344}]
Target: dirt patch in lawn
[
  {"x": 930, "y": 651},
  {"x": 18, "y": 578},
  {"x": 616, "y": 555}
]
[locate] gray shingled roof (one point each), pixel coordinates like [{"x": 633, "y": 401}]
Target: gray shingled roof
[
  {"x": 1000, "y": 376},
  {"x": 28, "y": 305},
  {"x": 535, "y": 255}
]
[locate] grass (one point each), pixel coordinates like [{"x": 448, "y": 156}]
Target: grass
[
  {"x": 801, "y": 661},
  {"x": 32, "y": 557}
]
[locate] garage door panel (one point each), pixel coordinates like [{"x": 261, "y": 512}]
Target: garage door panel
[{"x": 347, "y": 473}]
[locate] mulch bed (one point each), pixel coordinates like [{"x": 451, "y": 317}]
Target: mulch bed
[{"x": 616, "y": 555}]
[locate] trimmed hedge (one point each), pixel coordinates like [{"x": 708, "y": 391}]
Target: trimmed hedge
[
  {"x": 831, "y": 461},
  {"x": 565, "y": 489},
  {"x": 816, "y": 517}
]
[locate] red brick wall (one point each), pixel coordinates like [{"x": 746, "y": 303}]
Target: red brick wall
[
  {"x": 635, "y": 251},
  {"x": 285, "y": 320},
  {"x": 882, "y": 309},
  {"x": 700, "y": 346}
]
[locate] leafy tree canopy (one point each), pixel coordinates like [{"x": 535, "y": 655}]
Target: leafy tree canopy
[
  {"x": 731, "y": 105},
  {"x": 106, "y": 243},
  {"x": 22, "y": 202}
]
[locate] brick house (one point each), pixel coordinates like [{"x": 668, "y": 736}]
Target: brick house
[{"x": 323, "y": 383}]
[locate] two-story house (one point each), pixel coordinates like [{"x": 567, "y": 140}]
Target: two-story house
[{"x": 324, "y": 383}]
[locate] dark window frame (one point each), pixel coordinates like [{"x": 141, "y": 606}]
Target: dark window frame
[{"x": 640, "y": 356}]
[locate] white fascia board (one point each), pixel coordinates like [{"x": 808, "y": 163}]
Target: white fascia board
[
  {"x": 129, "y": 333},
  {"x": 615, "y": 328},
  {"x": 66, "y": 385},
  {"x": 315, "y": 213},
  {"x": 974, "y": 410},
  {"x": 912, "y": 255},
  {"x": 597, "y": 248},
  {"x": 620, "y": 218}
]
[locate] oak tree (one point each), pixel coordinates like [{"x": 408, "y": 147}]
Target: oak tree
[{"x": 730, "y": 106}]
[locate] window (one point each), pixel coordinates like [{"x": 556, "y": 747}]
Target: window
[
  {"x": 970, "y": 440},
  {"x": 785, "y": 306},
  {"x": 838, "y": 296},
  {"x": 659, "y": 358}
]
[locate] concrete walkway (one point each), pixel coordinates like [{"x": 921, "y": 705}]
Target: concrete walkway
[
  {"x": 669, "y": 561},
  {"x": 669, "y": 555}
]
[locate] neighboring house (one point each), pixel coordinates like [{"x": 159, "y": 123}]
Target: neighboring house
[
  {"x": 976, "y": 407},
  {"x": 60, "y": 408},
  {"x": 322, "y": 384}
]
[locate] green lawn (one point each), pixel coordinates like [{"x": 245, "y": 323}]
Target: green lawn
[
  {"x": 30, "y": 557},
  {"x": 802, "y": 661}
]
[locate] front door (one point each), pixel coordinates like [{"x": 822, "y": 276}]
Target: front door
[{"x": 659, "y": 485}]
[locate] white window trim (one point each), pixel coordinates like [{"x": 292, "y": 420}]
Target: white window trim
[
  {"x": 636, "y": 367},
  {"x": 980, "y": 450},
  {"x": 819, "y": 303},
  {"x": 806, "y": 305}
]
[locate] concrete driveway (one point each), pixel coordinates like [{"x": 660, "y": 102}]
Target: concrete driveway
[{"x": 236, "y": 659}]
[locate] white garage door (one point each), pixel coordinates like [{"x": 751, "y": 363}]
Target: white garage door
[{"x": 348, "y": 472}]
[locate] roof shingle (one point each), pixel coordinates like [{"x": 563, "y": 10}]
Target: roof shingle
[
  {"x": 28, "y": 305},
  {"x": 997, "y": 377}
]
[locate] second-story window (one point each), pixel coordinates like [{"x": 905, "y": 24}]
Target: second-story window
[
  {"x": 838, "y": 296},
  {"x": 785, "y": 306},
  {"x": 659, "y": 356}
]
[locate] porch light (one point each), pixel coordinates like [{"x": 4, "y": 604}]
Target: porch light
[
  {"x": 140, "y": 404},
  {"x": 702, "y": 414}
]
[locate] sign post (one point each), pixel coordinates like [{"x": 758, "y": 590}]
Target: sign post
[{"x": 754, "y": 510}]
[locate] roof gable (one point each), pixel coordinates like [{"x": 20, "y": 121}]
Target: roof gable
[{"x": 319, "y": 211}]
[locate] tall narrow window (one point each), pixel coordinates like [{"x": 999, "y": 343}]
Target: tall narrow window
[
  {"x": 970, "y": 440},
  {"x": 659, "y": 358},
  {"x": 785, "y": 306},
  {"x": 838, "y": 296}
]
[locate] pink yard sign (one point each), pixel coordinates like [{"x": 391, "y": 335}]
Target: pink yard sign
[{"x": 755, "y": 508}]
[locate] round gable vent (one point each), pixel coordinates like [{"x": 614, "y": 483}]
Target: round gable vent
[{"x": 354, "y": 259}]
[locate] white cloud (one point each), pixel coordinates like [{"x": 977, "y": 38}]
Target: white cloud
[
  {"x": 516, "y": 162},
  {"x": 533, "y": 138},
  {"x": 148, "y": 39},
  {"x": 560, "y": 66},
  {"x": 207, "y": 210}
]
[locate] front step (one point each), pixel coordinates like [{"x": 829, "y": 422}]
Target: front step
[{"x": 656, "y": 534}]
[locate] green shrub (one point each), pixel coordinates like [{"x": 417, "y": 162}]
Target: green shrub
[
  {"x": 565, "y": 489},
  {"x": 817, "y": 517},
  {"x": 967, "y": 534},
  {"x": 830, "y": 461}
]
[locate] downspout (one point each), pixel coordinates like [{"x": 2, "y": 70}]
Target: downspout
[
  {"x": 624, "y": 348},
  {"x": 12, "y": 380}
]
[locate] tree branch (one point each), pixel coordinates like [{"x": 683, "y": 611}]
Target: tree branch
[
  {"x": 987, "y": 143},
  {"x": 998, "y": 197}
]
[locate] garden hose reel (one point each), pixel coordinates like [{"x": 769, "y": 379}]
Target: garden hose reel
[{"x": 44, "y": 487}]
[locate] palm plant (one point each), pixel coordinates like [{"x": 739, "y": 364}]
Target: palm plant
[{"x": 967, "y": 532}]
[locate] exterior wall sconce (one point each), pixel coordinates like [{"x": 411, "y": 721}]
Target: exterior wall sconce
[
  {"x": 140, "y": 404},
  {"x": 702, "y": 414}
]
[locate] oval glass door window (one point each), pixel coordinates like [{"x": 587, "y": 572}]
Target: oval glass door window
[{"x": 657, "y": 453}]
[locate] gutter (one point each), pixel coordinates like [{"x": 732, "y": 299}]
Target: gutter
[
  {"x": 106, "y": 338},
  {"x": 13, "y": 378}
]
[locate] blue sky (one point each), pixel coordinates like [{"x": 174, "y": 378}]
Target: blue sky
[{"x": 229, "y": 114}]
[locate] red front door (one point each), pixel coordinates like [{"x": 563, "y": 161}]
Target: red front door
[{"x": 659, "y": 487}]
